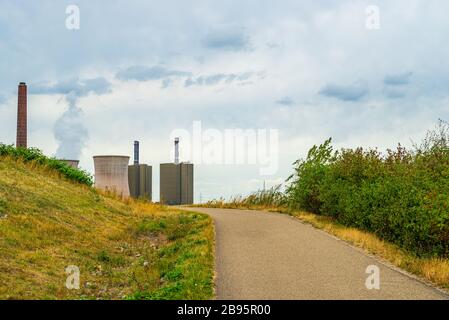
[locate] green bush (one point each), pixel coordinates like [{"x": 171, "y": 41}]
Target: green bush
[
  {"x": 402, "y": 196},
  {"x": 35, "y": 155},
  {"x": 304, "y": 189}
]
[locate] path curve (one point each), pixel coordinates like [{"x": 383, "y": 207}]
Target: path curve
[{"x": 262, "y": 255}]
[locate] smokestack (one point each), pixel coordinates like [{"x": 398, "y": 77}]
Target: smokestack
[
  {"x": 136, "y": 152},
  {"x": 22, "y": 116},
  {"x": 176, "y": 150}
]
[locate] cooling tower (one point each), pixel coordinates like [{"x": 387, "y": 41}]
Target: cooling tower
[
  {"x": 111, "y": 174},
  {"x": 21, "y": 140},
  {"x": 72, "y": 163}
]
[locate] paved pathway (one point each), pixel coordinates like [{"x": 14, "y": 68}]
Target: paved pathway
[{"x": 264, "y": 255}]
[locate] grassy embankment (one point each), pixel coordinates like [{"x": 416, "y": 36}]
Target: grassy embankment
[{"x": 124, "y": 249}]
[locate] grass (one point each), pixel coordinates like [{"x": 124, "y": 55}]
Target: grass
[
  {"x": 124, "y": 249},
  {"x": 37, "y": 157},
  {"x": 433, "y": 270}
]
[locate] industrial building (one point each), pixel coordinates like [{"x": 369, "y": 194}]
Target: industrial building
[
  {"x": 111, "y": 174},
  {"x": 21, "y": 138},
  {"x": 73, "y": 163},
  {"x": 176, "y": 181},
  {"x": 140, "y": 177}
]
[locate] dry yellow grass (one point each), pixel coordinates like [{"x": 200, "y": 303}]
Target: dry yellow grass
[{"x": 48, "y": 223}]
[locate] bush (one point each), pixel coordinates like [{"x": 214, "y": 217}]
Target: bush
[
  {"x": 35, "y": 155},
  {"x": 303, "y": 191},
  {"x": 402, "y": 196}
]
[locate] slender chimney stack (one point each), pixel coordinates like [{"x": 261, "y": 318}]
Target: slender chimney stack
[
  {"x": 22, "y": 116},
  {"x": 176, "y": 150},
  {"x": 136, "y": 152}
]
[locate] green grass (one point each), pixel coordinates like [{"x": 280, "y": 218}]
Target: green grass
[
  {"x": 181, "y": 262},
  {"x": 124, "y": 249},
  {"x": 34, "y": 155}
]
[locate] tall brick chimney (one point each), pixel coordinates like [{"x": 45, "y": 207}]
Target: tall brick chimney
[{"x": 22, "y": 116}]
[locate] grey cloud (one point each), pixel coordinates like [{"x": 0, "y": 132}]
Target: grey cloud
[
  {"x": 272, "y": 45},
  {"x": 393, "y": 93},
  {"x": 354, "y": 92},
  {"x": 395, "y": 85},
  {"x": 2, "y": 99},
  {"x": 398, "y": 79},
  {"x": 73, "y": 87},
  {"x": 144, "y": 73},
  {"x": 217, "y": 78},
  {"x": 286, "y": 101},
  {"x": 97, "y": 85},
  {"x": 227, "y": 37}
]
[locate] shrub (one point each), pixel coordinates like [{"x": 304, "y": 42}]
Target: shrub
[
  {"x": 35, "y": 155},
  {"x": 304, "y": 189},
  {"x": 402, "y": 196}
]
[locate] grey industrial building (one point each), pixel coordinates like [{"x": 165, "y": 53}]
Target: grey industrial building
[
  {"x": 176, "y": 181},
  {"x": 140, "y": 177}
]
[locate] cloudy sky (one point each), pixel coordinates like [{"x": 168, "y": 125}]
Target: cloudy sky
[{"x": 137, "y": 70}]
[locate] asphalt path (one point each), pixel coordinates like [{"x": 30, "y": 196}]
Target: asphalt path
[{"x": 262, "y": 255}]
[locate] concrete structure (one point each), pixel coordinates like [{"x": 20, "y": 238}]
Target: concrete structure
[
  {"x": 176, "y": 183},
  {"x": 111, "y": 174},
  {"x": 140, "y": 177},
  {"x": 21, "y": 138},
  {"x": 72, "y": 163},
  {"x": 140, "y": 181}
]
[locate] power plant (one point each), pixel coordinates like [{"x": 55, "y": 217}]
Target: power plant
[
  {"x": 140, "y": 177},
  {"x": 21, "y": 139},
  {"x": 176, "y": 181},
  {"x": 111, "y": 174}
]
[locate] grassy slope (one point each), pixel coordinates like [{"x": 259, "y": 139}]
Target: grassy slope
[
  {"x": 433, "y": 270},
  {"x": 123, "y": 249}
]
